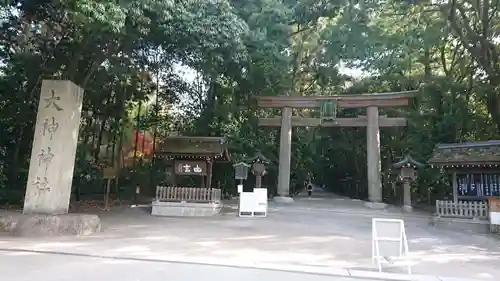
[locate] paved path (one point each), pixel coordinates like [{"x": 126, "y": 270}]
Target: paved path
[
  {"x": 312, "y": 235},
  {"x": 42, "y": 267},
  {"x": 329, "y": 202}
]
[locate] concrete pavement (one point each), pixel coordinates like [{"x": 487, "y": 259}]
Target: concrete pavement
[
  {"x": 25, "y": 266},
  {"x": 301, "y": 237},
  {"x": 325, "y": 201}
]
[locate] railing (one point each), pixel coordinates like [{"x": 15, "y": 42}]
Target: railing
[
  {"x": 462, "y": 209},
  {"x": 188, "y": 194}
]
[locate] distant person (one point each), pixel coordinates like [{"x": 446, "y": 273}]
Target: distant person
[{"x": 309, "y": 189}]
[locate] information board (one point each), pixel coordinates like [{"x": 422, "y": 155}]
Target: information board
[
  {"x": 494, "y": 208},
  {"x": 253, "y": 204},
  {"x": 260, "y": 202},
  {"x": 247, "y": 204},
  {"x": 389, "y": 242}
]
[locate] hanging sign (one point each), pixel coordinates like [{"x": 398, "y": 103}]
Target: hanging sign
[
  {"x": 329, "y": 109},
  {"x": 389, "y": 242},
  {"x": 186, "y": 167},
  {"x": 478, "y": 185}
]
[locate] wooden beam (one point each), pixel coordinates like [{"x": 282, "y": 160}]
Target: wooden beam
[
  {"x": 344, "y": 101},
  {"x": 360, "y": 121}
]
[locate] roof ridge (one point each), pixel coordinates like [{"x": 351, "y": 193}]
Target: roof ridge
[{"x": 468, "y": 144}]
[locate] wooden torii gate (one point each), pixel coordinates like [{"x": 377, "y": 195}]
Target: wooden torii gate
[{"x": 372, "y": 122}]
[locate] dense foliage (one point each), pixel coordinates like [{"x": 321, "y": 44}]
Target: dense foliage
[{"x": 129, "y": 57}]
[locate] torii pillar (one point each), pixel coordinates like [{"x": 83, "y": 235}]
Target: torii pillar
[{"x": 285, "y": 157}]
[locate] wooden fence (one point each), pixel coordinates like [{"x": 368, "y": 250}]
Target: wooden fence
[
  {"x": 462, "y": 209},
  {"x": 188, "y": 194}
]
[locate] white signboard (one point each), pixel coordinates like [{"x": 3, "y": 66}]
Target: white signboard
[
  {"x": 495, "y": 218},
  {"x": 260, "y": 202},
  {"x": 247, "y": 204},
  {"x": 389, "y": 242}
]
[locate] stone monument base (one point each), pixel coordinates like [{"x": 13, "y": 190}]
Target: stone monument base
[
  {"x": 18, "y": 224},
  {"x": 375, "y": 205},
  {"x": 462, "y": 225},
  {"x": 407, "y": 208},
  {"x": 283, "y": 199}
]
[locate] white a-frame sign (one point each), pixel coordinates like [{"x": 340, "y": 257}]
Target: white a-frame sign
[{"x": 389, "y": 242}]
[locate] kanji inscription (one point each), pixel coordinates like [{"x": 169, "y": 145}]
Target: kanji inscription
[
  {"x": 50, "y": 127},
  {"x": 45, "y": 157},
  {"x": 42, "y": 184},
  {"x": 52, "y": 101},
  {"x": 190, "y": 167}
]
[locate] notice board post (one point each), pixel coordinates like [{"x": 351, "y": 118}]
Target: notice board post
[{"x": 389, "y": 242}]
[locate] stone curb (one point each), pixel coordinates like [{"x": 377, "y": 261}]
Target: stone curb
[
  {"x": 293, "y": 208},
  {"x": 350, "y": 212},
  {"x": 330, "y": 271}
]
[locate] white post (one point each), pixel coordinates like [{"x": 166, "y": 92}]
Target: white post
[{"x": 50, "y": 177}]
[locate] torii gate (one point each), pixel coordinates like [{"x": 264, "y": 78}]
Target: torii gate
[{"x": 372, "y": 122}]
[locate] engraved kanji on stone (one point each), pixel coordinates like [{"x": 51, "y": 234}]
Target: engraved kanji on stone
[
  {"x": 51, "y": 127},
  {"x": 51, "y": 101},
  {"x": 42, "y": 184},
  {"x": 45, "y": 157}
]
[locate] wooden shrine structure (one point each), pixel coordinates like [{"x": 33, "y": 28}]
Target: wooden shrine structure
[
  {"x": 372, "y": 121},
  {"x": 475, "y": 177},
  {"x": 192, "y": 157}
]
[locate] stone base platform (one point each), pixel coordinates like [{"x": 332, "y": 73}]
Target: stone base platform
[
  {"x": 375, "y": 205},
  {"x": 283, "y": 199},
  {"x": 18, "y": 224},
  {"x": 458, "y": 224},
  {"x": 185, "y": 209},
  {"x": 407, "y": 209}
]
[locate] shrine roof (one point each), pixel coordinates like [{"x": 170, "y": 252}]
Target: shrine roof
[
  {"x": 482, "y": 154},
  {"x": 194, "y": 147},
  {"x": 408, "y": 161}
]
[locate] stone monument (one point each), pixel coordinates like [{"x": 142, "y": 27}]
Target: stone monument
[{"x": 50, "y": 177}]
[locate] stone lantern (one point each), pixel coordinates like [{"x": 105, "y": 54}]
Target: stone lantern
[
  {"x": 407, "y": 173},
  {"x": 241, "y": 173},
  {"x": 259, "y": 163}
]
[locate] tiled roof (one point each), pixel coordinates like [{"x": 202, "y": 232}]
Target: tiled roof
[
  {"x": 408, "y": 161},
  {"x": 484, "y": 153},
  {"x": 194, "y": 147}
]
